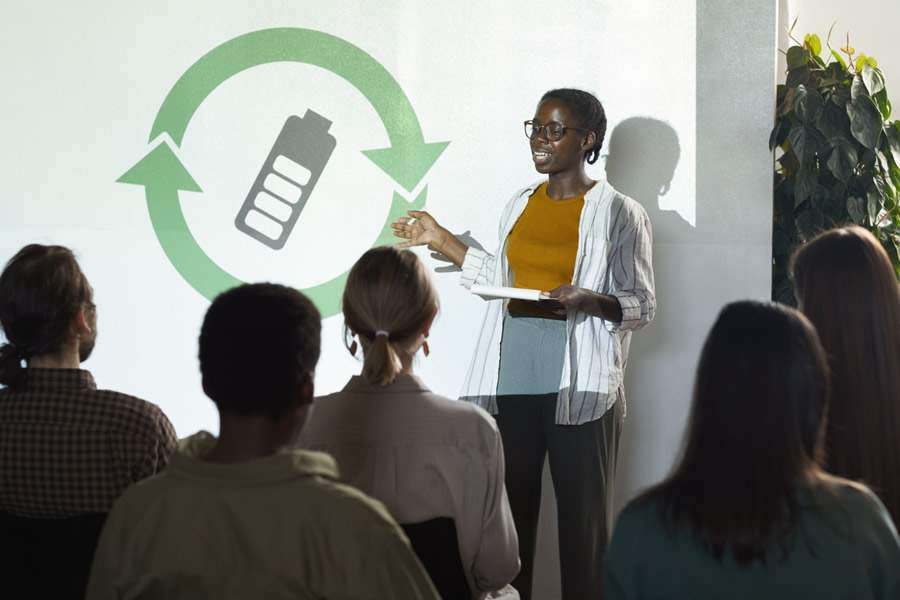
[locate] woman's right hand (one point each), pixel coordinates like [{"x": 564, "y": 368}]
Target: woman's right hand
[{"x": 420, "y": 229}]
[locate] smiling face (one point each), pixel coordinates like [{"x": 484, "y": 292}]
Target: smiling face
[{"x": 565, "y": 154}]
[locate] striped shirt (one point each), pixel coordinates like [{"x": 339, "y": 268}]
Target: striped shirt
[
  {"x": 614, "y": 258},
  {"x": 67, "y": 448}
]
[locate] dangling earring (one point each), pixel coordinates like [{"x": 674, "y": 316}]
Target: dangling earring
[
  {"x": 425, "y": 348},
  {"x": 352, "y": 348}
]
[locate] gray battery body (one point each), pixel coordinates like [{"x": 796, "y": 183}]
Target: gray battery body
[{"x": 280, "y": 193}]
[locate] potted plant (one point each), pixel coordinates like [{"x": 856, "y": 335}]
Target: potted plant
[{"x": 837, "y": 153}]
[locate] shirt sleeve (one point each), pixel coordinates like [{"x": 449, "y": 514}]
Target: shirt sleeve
[
  {"x": 478, "y": 267},
  {"x": 159, "y": 444},
  {"x": 631, "y": 268},
  {"x": 497, "y": 561}
]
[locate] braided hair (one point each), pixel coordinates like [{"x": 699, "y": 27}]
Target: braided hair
[{"x": 588, "y": 110}]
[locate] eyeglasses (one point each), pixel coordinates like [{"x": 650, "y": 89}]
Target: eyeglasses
[{"x": 553, "y": 131}]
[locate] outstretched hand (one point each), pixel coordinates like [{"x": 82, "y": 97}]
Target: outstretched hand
[{"x": 419, "y": 229}]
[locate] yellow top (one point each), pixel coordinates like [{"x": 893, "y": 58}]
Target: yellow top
[{"x": 542, "y": 246}]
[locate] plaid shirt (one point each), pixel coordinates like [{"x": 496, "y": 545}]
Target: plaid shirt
[{"x": 67, "y": 448}]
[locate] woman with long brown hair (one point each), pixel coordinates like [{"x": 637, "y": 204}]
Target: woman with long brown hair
[
  {"x": 846, "y": 286},
  {"x": 748, "y": 512}
]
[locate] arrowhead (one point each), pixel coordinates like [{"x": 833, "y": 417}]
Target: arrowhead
[
  {"x": 408, "y": 161},
  {"x": 160, "y": 168},
  {"x": 399, "y": 206}
]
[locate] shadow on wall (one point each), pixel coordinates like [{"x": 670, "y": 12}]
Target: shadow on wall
[{"x": 643, "y": 156}]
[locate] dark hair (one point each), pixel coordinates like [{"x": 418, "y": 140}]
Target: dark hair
[
  {"x": 589, "y": 112},
  {"x": 388, "y": 290},
  {"x": 259, "y": 345},
  {"x": 42, "y": 289},
  {"x": 755, "y": 430},
  {"x": 847, "y": 287}
]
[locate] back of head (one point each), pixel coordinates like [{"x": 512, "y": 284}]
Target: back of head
[
  {"x": 589, "y": 111},
  {"x": 388, "y": 301},
  {"x": 42, "y": 289},
  {"x": 259, "y": 345},
  {"x": 755, "y": 431},
  {"x": 847, "y": 287}
]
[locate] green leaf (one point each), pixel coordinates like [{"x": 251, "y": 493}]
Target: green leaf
[
  {"x": 858, "y": 88},
  {"x": 833, "y": 122},
  {"x": 810, "y": 223},
  {"x": 797, "y": 76},
  {"x": 873, "y": 79},
  {"x": 839, "y": 59},
  {"x": 812, "y": 43},
  {"x": 873, "y": 205},
  {"x": 804, "y": 186},
  {"x": 841, "y": 95},
  {"x": 797, "y": 56},
  {"x": 779, "y": 133},
  {"x": 883, "y": 103},
  {"x": 842, "y": 159},
  {"x": 865, "y": 121},
  {"x": 802, "y": 143},
  {"x": 856, "y": 208},
  {"x": 892, "y": 136},
  {"x": 808, "y": 105}
]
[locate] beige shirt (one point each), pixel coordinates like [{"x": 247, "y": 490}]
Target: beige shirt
[
  {"x": 278, "y": 527},
  {"x": 424, "y": 456}
]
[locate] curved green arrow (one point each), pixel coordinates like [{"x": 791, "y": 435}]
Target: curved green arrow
[
  {"x": 163, "y": 175},
  {"x": 406, "y": 160}
]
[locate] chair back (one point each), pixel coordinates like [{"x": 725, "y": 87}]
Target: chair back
[
  {"x": 434, "y": 542},
  {"x": 48, "y": 558}
]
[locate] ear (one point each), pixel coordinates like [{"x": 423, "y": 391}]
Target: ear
[
  {"x": 81, "y": 325},
  {"x": 589, "y": 140},
  {"x": 426, "y": 328},
  {"x": 307, "y": 391}
]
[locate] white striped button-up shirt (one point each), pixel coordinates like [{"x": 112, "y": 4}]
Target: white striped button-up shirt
[{"x": 614, "y": 258}]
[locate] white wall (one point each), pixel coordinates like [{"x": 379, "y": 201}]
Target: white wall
[{"x": 872, "y": 25}]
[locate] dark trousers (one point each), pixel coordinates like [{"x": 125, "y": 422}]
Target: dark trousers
[{"x": 582, "y": 465}]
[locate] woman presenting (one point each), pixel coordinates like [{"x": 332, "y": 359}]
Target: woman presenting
[{"x": 552, "y": 372}]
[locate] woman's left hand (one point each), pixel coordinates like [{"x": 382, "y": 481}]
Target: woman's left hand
[
  {"x": 574, "y": 298},
  {"x": 582, "y": 300}
]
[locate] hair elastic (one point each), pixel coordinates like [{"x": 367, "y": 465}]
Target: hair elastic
[{"x": 382, "y": 332}]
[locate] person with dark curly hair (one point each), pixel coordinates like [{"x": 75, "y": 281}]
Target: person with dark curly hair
[{"x": 552, "y": 372}]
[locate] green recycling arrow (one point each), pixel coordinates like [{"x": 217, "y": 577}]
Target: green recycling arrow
[
  {"x": 408, "y": 157},
  {"x": 162, "y": 174}
]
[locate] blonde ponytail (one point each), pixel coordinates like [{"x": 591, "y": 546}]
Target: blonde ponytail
[
  {"x": 382, "y": 363},
  {"x": 388, "y": 300}
]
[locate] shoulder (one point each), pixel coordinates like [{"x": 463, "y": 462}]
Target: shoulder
[
  {"x": 860, "y": 501},
  {"x": 468, "y": 423},
  {"x": 133, "y": 414}
]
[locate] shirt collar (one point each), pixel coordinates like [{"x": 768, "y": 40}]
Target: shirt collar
[
  {"x": 56, "y": 379},
  {"x": 404, "y": 382},
  {"x": 288, "y": 464}
]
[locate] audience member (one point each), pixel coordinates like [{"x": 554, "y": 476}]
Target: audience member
[
  {"x": 67, "y": 449},
  {"x": 433, "y": 461},
  {"x": 846, "y": 286},
  {"x": 242, "y": 516},
  {"x": 748, "y": 512}
]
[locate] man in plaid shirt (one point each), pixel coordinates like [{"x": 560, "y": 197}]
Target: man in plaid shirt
[{"x": 66, "y": 448}]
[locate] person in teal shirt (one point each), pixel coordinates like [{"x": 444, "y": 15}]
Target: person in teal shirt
[{"x": 748, "y": 512}]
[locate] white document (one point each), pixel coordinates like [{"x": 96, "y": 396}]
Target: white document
[{"x": 490, "y": 292}]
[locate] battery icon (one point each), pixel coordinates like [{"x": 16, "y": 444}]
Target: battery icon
[{"x": 286, "y": 179}]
